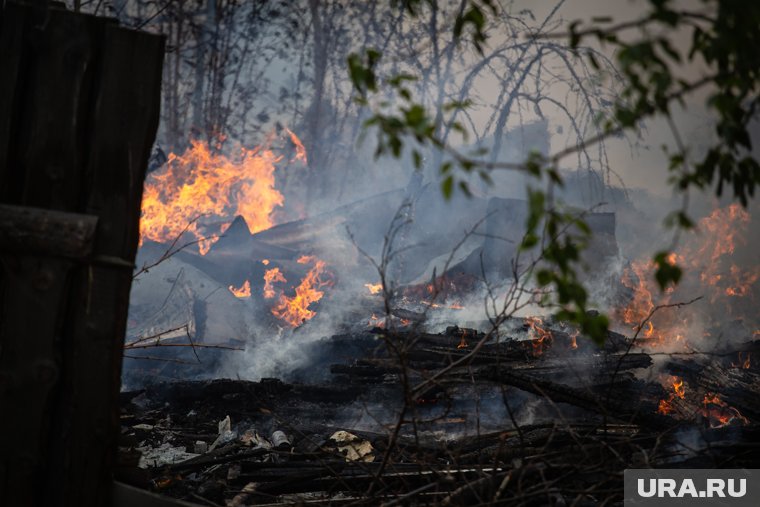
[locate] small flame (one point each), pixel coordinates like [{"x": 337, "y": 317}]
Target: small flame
[
  {"x": 463, "y": 341},
  {"x": 376, "y": 321},
  {"x": 265, "y": 262},
  {"x": 271, "y": 276},
  {"x": 665, "y": 407},
  {"x": 243, "y": 292},
  {"x": 678, "y": 387},
  {"x": 541, "y": 338},
  {"x": 718, "y": 413},
  {"x": 744, "y": 362},
  {"x": 374, "y": 288},
  {"x": 300, "y": 150},
  {"x": 295, "y": 310}
]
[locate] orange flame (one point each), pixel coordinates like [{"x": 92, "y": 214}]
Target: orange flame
[
  {"x": 243, "y": 292},
  {"x": 665, "y": 407},
  {"x": 203, "y": 183},
  {"x": 706, "y": 259},
  {"x": 718, "y": 413},
  {"x": 744, "y": 362},
  {"x": 541, "y": 338},
  {"x": 463, "y": 341},
  {"x": 271, "y": 276},
  {"x": 376, "y": 321},
  {"x": 295, "y": 310},
  {"x": 374, "y": 288},
  {"x": 300, "y": 150}
]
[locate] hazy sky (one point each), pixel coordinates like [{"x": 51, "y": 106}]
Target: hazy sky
[{"x": 645, "y": 167}]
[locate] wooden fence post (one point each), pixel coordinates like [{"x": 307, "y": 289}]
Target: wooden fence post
[{"x": 79, "y": 108}]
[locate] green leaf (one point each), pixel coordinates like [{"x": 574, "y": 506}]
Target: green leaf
[
  {"x": 447, "y": 186},
  {"x": 666, "y": 272}
]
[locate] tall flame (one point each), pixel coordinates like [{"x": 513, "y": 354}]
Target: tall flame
[
  {"x": 295, "y": 310},
  {"x": 201, "y": 190}
]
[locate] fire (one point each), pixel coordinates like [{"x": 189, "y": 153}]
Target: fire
[
  {"x": 201, "y": 190},
  {"x": 718, "y": 413},
  {"x": 741, "y": 281},
  {"x": 300, "y": 150},
  {"x": 463, "y": 341},
  {"x": 271, "y": 276},
  {"x": 678, "y": 387},
  {"x": 709, "y": 269},
  {"x": 542, "y": 338},
  {"x": 243, "y": 292},
  {"x": 374, "y": 288},
  {"x": 376, "y": 321},
  {"x": 665, "y": 407},
  {"x": 295, "y": 310},
  {"x": 744, "y": 362}
]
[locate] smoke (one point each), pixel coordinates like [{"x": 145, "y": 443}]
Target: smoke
[{"x": 347, "y": 208}]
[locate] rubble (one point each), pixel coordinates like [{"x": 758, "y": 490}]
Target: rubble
[{"x": 563, "y": 424}]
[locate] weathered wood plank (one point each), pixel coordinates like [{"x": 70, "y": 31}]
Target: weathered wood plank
[
  {"x": 124, "y": 117},
  {"x": 33, "y": 294},
  {"x": 41, "y": 231},
  {"x": 79, "y": 108},
  {"x": 15, "y": 24},
  {"x": 50, "y": 124}
]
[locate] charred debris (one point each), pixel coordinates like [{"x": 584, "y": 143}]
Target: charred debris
[{"x": 400, "y": 409}]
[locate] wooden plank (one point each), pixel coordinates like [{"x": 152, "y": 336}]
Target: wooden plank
[
  {"x": 42, "y": 124},
  {"x": 124, "y": 118},
  {"x": 33, "y": 294},
  {"x": 41, "y": 231},
  {"x": 13, "y": 29},
  {"x": 50, "y": 123},
  {"x": 78, "y": 115}
]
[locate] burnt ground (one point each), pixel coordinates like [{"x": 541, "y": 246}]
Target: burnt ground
[{"x": 459, "y": 418}]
